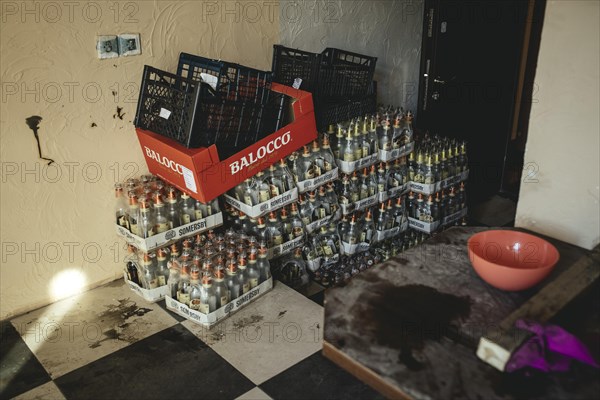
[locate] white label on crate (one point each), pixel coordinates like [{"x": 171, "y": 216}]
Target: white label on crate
[
  {"x": 210, "y": 79},
  {"x": 164, "y": 113},
  {"x": 310, "y": 184},
  {"x": 297, "y": 83},
  {"x": 188, "y": 177}
]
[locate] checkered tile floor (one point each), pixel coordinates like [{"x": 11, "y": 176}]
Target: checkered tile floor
[{"x": 110, "y": 344}]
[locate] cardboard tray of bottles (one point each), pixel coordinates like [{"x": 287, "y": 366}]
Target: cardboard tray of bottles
[
  {"x": 172, "y": 235},
  {"x": 208, "y": 320},
  {"x": 151, "y": 295},
  {"x": 349, "y": 249},
  {"x": 262, "y": 208},
  {"x": 437, "y": 186},
  {"x": 349, "y": 167},
  {"x": 372, "y": 200},
  {"x": 204, "y": 176},
  {"x": 391, "y": 155},
  {"x": 429, "y": 227},
  {"x": 312, "y": 184}
]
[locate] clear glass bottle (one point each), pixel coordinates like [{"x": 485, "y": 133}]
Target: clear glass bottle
[
  {"x": 364, "y": 185},
  {"x": 200, "y": 210},
  {"x": 365, "y": 144},
  {"x": 368, "y": 229},
  {"x": 160, "y": 215},
  {"x": 274, "y": 230},
  {"x": 381, "y": 217},
  {"x": 274, "y": 181},
  {"x": 351, "y": 234},
  {"x": 162, "y": 270},
  {"x": 172, "y": 209},
  {"x": 234, "y": 286},
  {"x": 121, "y": 207},
  {"x": 357, "y": 146},
  {"x": 305, "y": 167},
  {"x": 348, "y": 153},
  {"x": 297, "y": 225},
  {"x": 208, "y": 298},
  {"x": 263, "y": 264},
  {"x": 326, "y": 161},
  {"x": 412, "y": 167},
  {"x": 382, "y": 180},
  {"x": 194, "y": 290},
  {"x": 149, "y": 279},
  {"x": 173, "y": 282},
  {"x": 220, "y": 288},
  {"x": 339, "y": 142},
  {"x": 132, "y": 268},
  {"x": 315, "y": 159},
  {"x": 147, "y": 223},
  {"x": 286, "y": 225},
  {"x": 252, "y": 272},
  {"x": 372, "y": 137},
  {"x": 264, "y": 191},
  {"x": 134, "y": 215},
  {"x": 399, "y": 212},
  {"x": 385, "y": 138},
  {"x": 372, "y": 182},
  {"x": 186, "y": 209}
]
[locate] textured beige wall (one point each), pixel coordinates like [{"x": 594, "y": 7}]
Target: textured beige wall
[
  {"x": 390, "y": 30},
  {"x": 59, "y": 218},
  {"x": 561, "y": 180}
]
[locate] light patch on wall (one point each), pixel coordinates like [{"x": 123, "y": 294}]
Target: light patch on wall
[{"x": 67, "y": 283}]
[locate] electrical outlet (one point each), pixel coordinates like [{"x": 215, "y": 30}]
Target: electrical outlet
[
  {"x": 107, "y": 46},
  {"x": 129, "y": 44}
]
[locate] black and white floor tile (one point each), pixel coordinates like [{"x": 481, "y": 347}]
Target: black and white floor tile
[{"x": 110, "y": 344}]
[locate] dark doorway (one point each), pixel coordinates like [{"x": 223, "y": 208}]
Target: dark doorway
[{"x": 477, "y": 67}]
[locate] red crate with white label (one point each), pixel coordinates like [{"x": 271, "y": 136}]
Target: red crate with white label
[{"x": 204, "y": 176}]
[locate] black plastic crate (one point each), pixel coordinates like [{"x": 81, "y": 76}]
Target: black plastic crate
[
  {"x": 195, "y": 115},
  {"x": 343, "y": 74},
  {"x": 233, "y": 81},
  {"x": 289, "y": 64},
  {"x": 330, "y": 112}
]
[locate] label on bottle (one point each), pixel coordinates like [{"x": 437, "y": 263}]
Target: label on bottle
[
  {"x": 245, "y": 287},
  {"x": 344, "y": 200},
  {"x": 298, "y": 231},
  {"x": 355, "y": 197},
  {"x": 306, "y": 220},
  {"x": 204, "y": 308},
  {"x": 274, "y": 190},
  {"x": 248, "y": 200},
  {"x": 387, "y": 146},
  {"x": 381, "y": 188},
  {"x": 352, "y": 240},
  {"x": 162, "y": 280},
  {"x": 195, "y": 304},
  {"x": 327, "y": 250},
  {"x": 365, "y": 151},
  {"x": 263, "y": 195},
  {"x": 253, "y": 283},
  {"x": 152, "y": 284},
  {"x": 122, "y": 221},
  {"x": 162, "y": 227},
  {"x": 327, "y": 166},
  {"x": 321, "y": 212},
  {"x": 309, "y": 174},
  {"x": 150, "y": 232},
  {"x": 224, "y": 300},
  {"x": 209, "y": 210},
  {"x": 198, "y": 214},
  {"x": 348, "y": 157},
  {"x": 185, "y": 218},
  {"x": 277, "y": 240},
  {"x": 135, "y": 229},
  {"x": 363, "y": 236},
  {"x": 184, "y": 298}
]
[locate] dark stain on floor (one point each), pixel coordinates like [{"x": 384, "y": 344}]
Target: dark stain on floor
[
  {"x": 244, "y": 322},
  {"x": 405, "y": 317},
  {"x": 115, "y": 317},
  {"x": 119, "y": 114}
]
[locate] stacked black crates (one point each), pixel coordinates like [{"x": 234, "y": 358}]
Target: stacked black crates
[{"x": 341, "y": 81}]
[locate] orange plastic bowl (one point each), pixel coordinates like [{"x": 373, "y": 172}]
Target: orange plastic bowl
[{"x": 511, "y": 260}]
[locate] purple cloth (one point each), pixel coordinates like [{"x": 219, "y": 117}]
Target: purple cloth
[{"x": 550, "y": 349}]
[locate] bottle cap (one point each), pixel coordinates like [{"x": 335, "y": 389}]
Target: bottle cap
[
  {"x": 261, "y": 221},
  {"x": 206, "y": 280},
  {"x": 162, "y": 254},
  {"x": 283, "y": 213},
  {"x": 315, "y": 146},
  {"x": 133, "y": 200},
  {"x": 272, "y": 216},
  {"x": 157, "y": 197}
]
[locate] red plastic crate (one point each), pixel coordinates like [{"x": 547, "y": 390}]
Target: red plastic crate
[{"x": 200, "y": 173}]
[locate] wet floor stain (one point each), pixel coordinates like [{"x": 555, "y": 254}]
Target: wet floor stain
[
  {"x": 33, "y": 123},
  {"x": 405, "y": 317},
  {"x": 281, "y": 314},
  {"x": 119, "y": 114},
  {"x": 244, "y": 322},
  {"x": 115, "y": 317}
]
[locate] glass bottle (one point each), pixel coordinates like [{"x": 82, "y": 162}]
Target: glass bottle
[
  {"x": 252, "y": 272},
  {"x": 162, "y": 270},
  {"x": 220, "y": 288},
  {"x": 315, "y": 159},
  {"x": 326, "y": 161},
  {"x": 274, "y": 231},
  {"x": 385, "y": 139},
  {"x": 162, "y": 223},
  {"x": 286, "y": 225},
  {"x": 368, "y": 229},
  {"x": 305, "y": 166},
  {"x": 200, "y": 210},
  {"x": 134, "y": 215},
  {"x": 351, "y": 234},
  {"x": 121, "y": 207},
  {"x": 147, "y": 222},
  {"x": 131, "y": 265},
  {"x": 364, "y": 185},
  {"x": 172, "y": 211},
  {"x": 264, "y": 192},
  {"x": 194, "y": 290},
  {"x": 399, "y": 212},
  {"x": 372, "y": 137},
  {"x": 208, "y": 298},
  {"x": 365, "y": 144},
  {"x": 263, "y": 264},
  {"x": 186, "y": 209},
  {"x": 232, "y": 281},
  {"x": 372, "y": 182},
  {"x": 412, "y": 167},
  {"x": 173, "y": 282},
  {"x": 338, "y": 145}
]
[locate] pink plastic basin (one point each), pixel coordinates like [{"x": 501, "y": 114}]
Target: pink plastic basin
[{"x": 511, "y": 260}]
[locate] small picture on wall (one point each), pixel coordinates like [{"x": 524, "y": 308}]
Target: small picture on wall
[{"x": 107, "y": 46}]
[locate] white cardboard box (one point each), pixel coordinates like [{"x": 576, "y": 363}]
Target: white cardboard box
[
  {"x": 349, "y": 167},
  {"x": 285, "y": 248},
  {"x": 430, "y": 188},
  {"x": 152, "y": 295},
  {"x": 390, "y": 233},
  {"x": 429, "y": 227},
  {"x": 391, "y": 155},
  {"x": 208, "y": 320},
  {"x": 312, "y": 184},
  {"x": 172, "y": 235},
  {"x": 262, "y": 208}
]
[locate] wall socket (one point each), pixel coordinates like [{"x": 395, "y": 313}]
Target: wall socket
[{"x": 123, "y": 45}]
